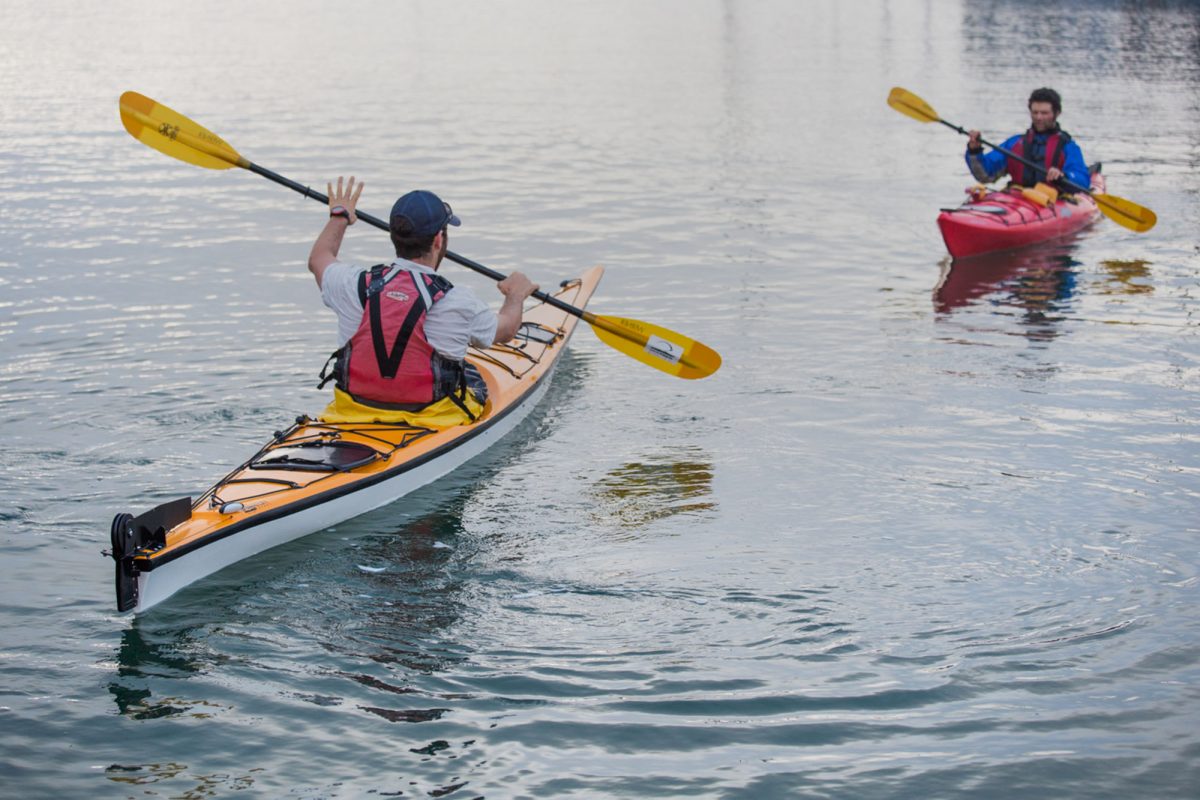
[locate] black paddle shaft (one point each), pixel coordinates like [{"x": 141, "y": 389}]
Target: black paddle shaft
[
  {"x": 1040, "y": 168},
  {"x": 383, "y": 226}
]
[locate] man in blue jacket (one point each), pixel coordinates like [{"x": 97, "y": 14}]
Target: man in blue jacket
[{"x": 1044, "y": 143}]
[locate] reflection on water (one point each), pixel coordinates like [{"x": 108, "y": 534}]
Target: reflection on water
[
  {"x": 408, "y": 595},
  {"x": 158, "y": 655},
  {"x": 205, "y": 785},
  {"x": 1126, "y": 277},
  {"x": 408, "y": 573},
  {"x": 398, "y": 592},
  {"x": 1097, "y": 37},
  {"x": 147, "y": 652},
  {"x": 1038, "y": 284},
  {"x": 385, "y": 628},
  {"x": 367, "y": 643},
  {"x": 1042, "y": 293},
  {"x": 656, "y": 487}
]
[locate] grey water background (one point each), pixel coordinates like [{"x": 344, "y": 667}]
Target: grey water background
[{"x": 931, "y": 530}]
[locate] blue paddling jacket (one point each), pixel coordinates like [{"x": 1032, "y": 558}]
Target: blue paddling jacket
[{"x": 1055, "y": 148}]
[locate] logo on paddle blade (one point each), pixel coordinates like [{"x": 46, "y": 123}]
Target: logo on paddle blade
[
  {"x": 401, "y": 296},
  {"x": 667, "y": 351}
]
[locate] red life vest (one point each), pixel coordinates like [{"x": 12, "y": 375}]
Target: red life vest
[
  {"x": 1055, "y": 156},
  {"x": 388, "y": 362}
]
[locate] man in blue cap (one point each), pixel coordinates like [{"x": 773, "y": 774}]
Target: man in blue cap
[{"x": 403, "y": 329}]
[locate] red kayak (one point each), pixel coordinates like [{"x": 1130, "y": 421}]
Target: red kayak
[{"x": 1006, "y": 219}]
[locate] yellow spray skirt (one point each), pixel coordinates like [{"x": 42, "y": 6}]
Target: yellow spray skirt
[{"x": 442, "y": 414}]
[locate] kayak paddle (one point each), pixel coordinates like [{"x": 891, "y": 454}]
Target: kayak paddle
[
  {"x": 169, "y": 132},
  {"x": 1118, "y": 209}
]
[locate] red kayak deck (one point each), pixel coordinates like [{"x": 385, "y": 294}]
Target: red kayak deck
[{"x": 1007, "y": 219}]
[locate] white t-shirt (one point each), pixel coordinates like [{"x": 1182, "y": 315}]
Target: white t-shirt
[{"x": 457, "y": 320}]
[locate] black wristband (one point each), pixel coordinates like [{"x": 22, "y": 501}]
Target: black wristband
[{"x": 340, "y": 211}]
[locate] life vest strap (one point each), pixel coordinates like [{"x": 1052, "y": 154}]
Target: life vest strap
[
  {"x": 459, "y": 397},
  {"x": 332, "y": 373},
  {"x": 389, "y": 360}
]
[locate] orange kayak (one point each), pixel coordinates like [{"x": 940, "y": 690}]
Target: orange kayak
[{"x": 316, "y": 474}]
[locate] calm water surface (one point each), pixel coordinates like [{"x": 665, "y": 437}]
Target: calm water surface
[{"x": 931, "y": 531}]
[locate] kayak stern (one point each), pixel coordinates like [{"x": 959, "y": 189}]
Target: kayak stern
[{"x": 138, "y": 537}]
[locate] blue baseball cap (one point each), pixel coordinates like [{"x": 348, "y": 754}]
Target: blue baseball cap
[{"x": 421, "y": 213}]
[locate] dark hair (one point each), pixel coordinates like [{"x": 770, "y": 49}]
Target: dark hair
[
  {"x": 407, "y": 245},
  {"x": 1045, "y": 95}
]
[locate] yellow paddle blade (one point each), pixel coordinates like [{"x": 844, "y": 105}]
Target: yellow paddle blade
[
  {"x": 665, "y": 350},
  {"x": 910, "y": 105},
  {"x": 157, "y": 126},
  {"x": 1126, "y": 212}
]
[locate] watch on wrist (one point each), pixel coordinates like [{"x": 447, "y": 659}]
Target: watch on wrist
[{"x": 340, "y": 211}]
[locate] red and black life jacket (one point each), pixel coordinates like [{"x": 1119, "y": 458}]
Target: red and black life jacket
[
  {"x": 388, "y": 363},
  {"x": 1055, "y": 156}
]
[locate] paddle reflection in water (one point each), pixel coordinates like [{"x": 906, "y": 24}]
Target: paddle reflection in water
[
  {"x": 200, "y": 785},
  {"x": 1126, "y": 277},
  {"x": 1038, "y": 283},
  {"x": 659, "y": 486}
]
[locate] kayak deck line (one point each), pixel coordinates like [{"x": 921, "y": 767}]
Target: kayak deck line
[
  {"x": 528, "y": 332},
  {"x": 1010, "y": 202},
  {"x": 315, "y": 473},
  {"x": 323, "y": 439}
]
